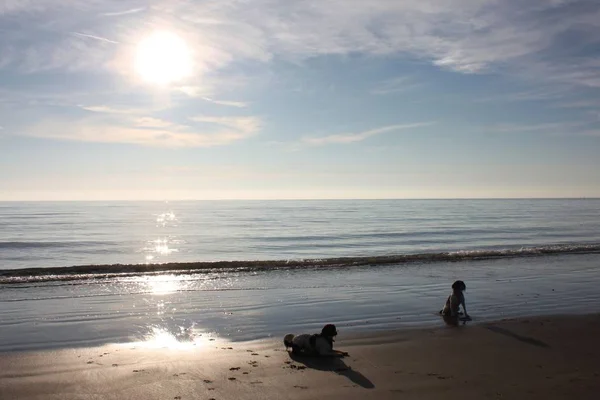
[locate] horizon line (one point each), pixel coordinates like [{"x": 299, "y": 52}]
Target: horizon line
[{"x": 304, "y": 199}]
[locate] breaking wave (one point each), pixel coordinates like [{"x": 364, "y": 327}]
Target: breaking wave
[{"x": 86, "y": 272}]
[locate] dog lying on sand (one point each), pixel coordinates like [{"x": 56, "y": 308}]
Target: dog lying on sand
[{"x": 320, "y": 344}]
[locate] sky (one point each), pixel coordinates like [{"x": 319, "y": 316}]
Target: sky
[{"x": 305, "y": 99}]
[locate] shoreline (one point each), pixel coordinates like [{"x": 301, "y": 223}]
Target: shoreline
[
  {"x": 249, "y": 306},
  {"x": 540, "y": 357},
  {"x": 375, "y": 335},
  {"x": 106, "y": 271}
]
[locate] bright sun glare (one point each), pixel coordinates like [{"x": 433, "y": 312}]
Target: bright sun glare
[{"x": 163, "y": 58}]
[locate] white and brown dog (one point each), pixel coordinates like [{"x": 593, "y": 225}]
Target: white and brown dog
[{"x": 320, "y": 344}]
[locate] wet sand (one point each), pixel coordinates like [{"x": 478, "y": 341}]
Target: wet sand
[{"x": 535, "y": 358}]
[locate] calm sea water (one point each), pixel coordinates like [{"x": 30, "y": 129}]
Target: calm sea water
[
  {"x": 519, "y": 257},
  {"x": 79, "y": 233}
]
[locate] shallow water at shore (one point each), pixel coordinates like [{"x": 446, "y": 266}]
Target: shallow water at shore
[{"x": 256, "y": 304}]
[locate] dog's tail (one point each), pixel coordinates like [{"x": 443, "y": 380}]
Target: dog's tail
[{"x": 288, "y": 340}]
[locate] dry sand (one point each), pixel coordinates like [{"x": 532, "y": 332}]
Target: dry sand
[{"x": 537, "y": 358}]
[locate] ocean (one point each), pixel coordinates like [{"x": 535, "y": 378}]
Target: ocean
[{"x": 87, "y": 273}]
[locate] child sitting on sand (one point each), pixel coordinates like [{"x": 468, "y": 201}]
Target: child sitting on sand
[
  {"x": 314, "y": 345},
  {"x": 455, "y": 300}
]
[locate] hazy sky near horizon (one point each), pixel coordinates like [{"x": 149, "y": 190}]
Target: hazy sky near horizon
[{"x": 183, "y": 99}]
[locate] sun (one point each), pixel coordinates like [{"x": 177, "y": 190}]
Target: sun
[{"x": 163, "y": 58}]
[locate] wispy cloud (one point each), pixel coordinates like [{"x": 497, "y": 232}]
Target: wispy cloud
[
  {"x": 193, "y": 91},
  {"x": 124, "y": 12},
  {"x": 99, "y": 38},
  {"x": 344, "y": 138},
  {"x": 580, "y": 104},
  {"x": 467, "y": 36},
  {"x": 107, "y": 109},
  {"x": 155, "y": 123},
  {"x": 240, "y": 126},
  {"x": 541, "y": 93},
  {"x": 238, "y": 104},
  {"x": 539, "y": 41},
  {"x": 591, "y": 132},
  {"x": 395, "y": 85},
  {"x": 149, "y": 131},
  {"x": 552, "y": 127}
]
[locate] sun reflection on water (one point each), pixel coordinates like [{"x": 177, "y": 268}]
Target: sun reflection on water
[
  {"x": 180, "y": 339},
  {"x": 165, "y": 219},
  {"x": 159, "y": 248},
  {"x": 162, "y": 247},
  {"x": 163, "y": 284}
]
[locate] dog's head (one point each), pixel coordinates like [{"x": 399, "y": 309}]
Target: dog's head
[
  {"x": 329, "y": 330},
  {"x": 459, "y": 285},
  {"x": 288, "y": 340}
]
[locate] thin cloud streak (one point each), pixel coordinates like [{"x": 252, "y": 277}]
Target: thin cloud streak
[
  {"x": 243, "y": 124},
  {"x": 396, "y": 85},
  {"x": 562, "y": 127},
  {"x": 126, "y": 12},
  {"x": 108, "y": 109},
  {"x": 584, "y": 104},
  {"x": 238, "y": 104},
  {"x": 102, "y": 39},
  {"x": 345, "y": 138},
  {"x": 150, "y": 131},
  {"x": 155, "y": 123}
]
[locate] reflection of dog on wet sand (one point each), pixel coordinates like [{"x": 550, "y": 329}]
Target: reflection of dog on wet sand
[{"x": 319, "y": 344}]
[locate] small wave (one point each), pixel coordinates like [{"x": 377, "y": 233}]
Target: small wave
[
  {"x": 133, "y": 293},
  {"x": 47, "y": 244},
  {"x": 90, "y": 272}
]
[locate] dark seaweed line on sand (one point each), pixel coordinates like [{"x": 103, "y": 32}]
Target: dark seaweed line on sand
[{"x": 120, "y": 270}]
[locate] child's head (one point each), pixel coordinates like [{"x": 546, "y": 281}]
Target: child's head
[{"x": 459, "y": 286}]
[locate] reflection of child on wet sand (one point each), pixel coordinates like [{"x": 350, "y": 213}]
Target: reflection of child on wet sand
[
  {"x": 320, "y": 344},
  {"x": 455, "y": 300}
]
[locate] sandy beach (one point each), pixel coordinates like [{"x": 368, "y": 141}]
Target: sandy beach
[{"x": 545, "y": 358}]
